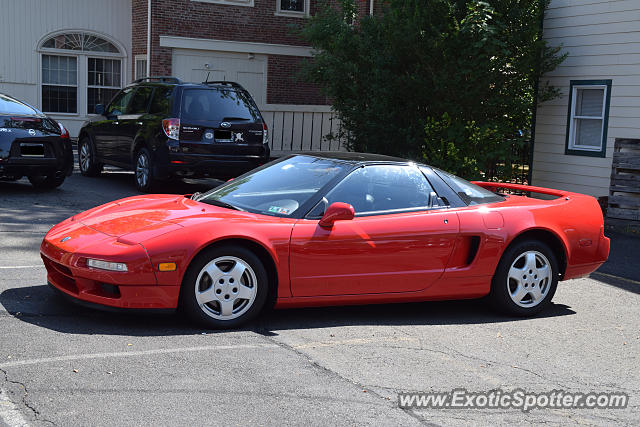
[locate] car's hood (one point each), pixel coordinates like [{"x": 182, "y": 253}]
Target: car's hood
[{"x": 135, "y": 219}]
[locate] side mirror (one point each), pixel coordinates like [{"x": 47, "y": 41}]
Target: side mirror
[
  {"x": 99, "y": 109},
  {"x": 337, "y": 211}
]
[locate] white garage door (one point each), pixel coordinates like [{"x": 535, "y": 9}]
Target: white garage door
[{"x": 194, "y": 66}]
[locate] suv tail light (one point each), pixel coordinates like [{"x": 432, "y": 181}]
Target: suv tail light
[
  {"x": 64, "y": 133},
  {"x": 171, "y": 128},
  {"x": 265, "y": 133}
]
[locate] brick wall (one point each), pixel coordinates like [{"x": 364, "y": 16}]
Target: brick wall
[
  {"x": 284, "y": 86},
  {"x": 186, "y": 18}
]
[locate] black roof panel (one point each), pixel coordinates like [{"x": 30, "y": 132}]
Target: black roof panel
[{"x": 354, "y": 157}]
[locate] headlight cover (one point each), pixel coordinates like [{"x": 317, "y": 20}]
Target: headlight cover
[{"x": 107, "y": 265}]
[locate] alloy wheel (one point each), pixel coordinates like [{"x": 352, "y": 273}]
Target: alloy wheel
[
  {"x": 142, "y": 170},
  {"x": 226, "y": 288},
  {"x": 529, "y": 279},
  {"x": 85, "y": 157}
]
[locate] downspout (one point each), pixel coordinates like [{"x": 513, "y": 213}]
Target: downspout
[
  {"x": 536, "y": 87},
  {"x": 371, "y": 7},
  {"x": 148, "y": 38}
]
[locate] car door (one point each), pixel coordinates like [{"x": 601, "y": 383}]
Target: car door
[
  {"x": 396, "y": 242},
  {"x": 106, "y": 132},
  {"x": 132, "y": 122}
]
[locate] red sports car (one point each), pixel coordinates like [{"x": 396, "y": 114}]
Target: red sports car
[{"x": 327, "y": 229}]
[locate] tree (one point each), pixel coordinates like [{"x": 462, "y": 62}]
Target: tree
[{"x": 448, "y": 82}]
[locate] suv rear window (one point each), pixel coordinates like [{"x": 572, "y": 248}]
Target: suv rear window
[
  {"x": 218, "y": 104},
  {"x": 11, "y": 106}
]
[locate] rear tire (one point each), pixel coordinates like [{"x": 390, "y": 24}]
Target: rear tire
[
  {"x": 525, "y": 280},
  {"x": 87, "y": 158},
  {"x": 143, "y": 171},
  {"x": 224, "y": 287},
  {"x": 48, "y": 182}
]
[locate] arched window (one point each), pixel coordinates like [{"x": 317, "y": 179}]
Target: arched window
[{"x": 79, "y": 70}]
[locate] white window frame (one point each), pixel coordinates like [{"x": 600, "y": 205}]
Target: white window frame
[
  {"x": 247, "y": 3},
  {"x": 292, "y": 13},
  {"x": 135, "y": 66},
  {"x": 82, "y": 70},
  {"x": 572, "y": 122},
  {"x": 117, "y": 88},
  {"x": 61, "y": 52}
]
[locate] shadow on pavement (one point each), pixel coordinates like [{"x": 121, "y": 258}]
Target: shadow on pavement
[
  {"x": 41, "y": 306},
  {"x": 622, "y": 269}
]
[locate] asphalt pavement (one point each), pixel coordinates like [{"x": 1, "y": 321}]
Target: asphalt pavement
[{"x": 65, "y": 365}]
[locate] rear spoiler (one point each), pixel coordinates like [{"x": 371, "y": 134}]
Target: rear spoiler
[{"x": 519, "y": 187}]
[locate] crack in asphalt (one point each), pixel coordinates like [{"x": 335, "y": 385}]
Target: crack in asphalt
[
  {"x": 37, "y": 415},
  {"x": 264, "y": 331}
]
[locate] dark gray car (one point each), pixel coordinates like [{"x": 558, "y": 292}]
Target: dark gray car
[{"x": 32, "y": 145}]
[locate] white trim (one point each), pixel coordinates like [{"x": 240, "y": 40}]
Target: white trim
[
  {"x": 574, "y": 118},
  {"x": 292, "y": 13},
  {"x": 246, "y": 3},
  {"x": 107, "y": 37},
  {"x": 148, "y": 72},
  {"x": 297, "y": 108},
  {"x": 233, "y": 46}
]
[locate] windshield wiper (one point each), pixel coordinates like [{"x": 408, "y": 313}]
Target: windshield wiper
[
  {"x": 222, "y": 204},
  {"x": 227, "y": 119},
  {"x": 195, "y": 195}
]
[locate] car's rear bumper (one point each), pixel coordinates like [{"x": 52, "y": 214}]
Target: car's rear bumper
[
  {"x": 32, "y": 166},
  {"x": 217, "y": 166},
  {"x": 581, "y": 270}
]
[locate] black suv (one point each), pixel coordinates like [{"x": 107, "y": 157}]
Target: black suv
[{"x": 161, "y": 127}]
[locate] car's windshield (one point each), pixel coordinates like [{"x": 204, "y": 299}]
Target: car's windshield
[{"x": 279, "y": 189}]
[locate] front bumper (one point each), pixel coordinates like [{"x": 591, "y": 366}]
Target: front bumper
[{"x": 137, "y": 289}]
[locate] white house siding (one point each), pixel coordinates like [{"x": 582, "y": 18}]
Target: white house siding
[
  {"x": 602, "y": 39},
  {"x": 24, "y": 23}
]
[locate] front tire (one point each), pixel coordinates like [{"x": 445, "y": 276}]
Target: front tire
[
  {"x": 46, "y": 182},
  {"x": 87, "y": 158},
  {"x": 144, "y": 171},
  {"x": 224, "y": 287},
  {"x": 526, "y": 279}
]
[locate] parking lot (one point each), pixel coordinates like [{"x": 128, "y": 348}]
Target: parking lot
[{"x": 65, "y": 365}]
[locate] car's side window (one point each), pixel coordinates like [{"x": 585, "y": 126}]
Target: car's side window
[
  {"x": 383, "y": 188},
  {"x": 140, "y": 100},
  {"x": 161, "y": 102},
  {"x": 470, "y": 193},
  {"x": 120, "y": 103}
]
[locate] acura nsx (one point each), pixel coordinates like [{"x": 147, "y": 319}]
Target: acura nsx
[{"x": 327, "y": 229}]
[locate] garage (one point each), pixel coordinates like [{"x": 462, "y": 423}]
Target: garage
[{"x": 248, "y": 69}]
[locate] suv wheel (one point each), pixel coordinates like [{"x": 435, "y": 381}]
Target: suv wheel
[
  {"x": 144, "y": 171},
  {"x": 87, "y": 158}
]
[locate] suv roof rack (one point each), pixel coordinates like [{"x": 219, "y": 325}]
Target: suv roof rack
[
  {"x": 221, "y": 82},
  {"x": 164, "y": 79}
]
